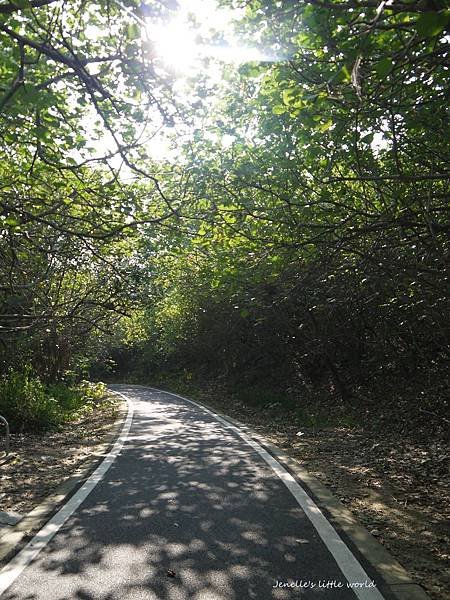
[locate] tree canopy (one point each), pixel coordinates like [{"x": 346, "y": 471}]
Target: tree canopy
[{"x": 297, "y": 233}]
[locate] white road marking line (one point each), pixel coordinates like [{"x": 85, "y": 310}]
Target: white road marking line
[
  {"x": 346, "y": 560},
  {"x": 14, "y": 568}
]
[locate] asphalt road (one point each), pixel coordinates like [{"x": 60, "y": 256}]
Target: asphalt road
[{"x": 188, "y": 497}]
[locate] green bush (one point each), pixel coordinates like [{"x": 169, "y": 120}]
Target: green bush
[
  {"x": 94, "y": 392},
  {"x": 29, "y": 404},
  {"x": 68, "y": 398},
  {"x": 25, "y": 402}
]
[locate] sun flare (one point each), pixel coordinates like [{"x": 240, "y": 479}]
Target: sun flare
[
  {"x": 179, "y": 44},
  {"x": 175, "y": 44}
]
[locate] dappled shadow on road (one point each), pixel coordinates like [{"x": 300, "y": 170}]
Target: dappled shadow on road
[{"x": 185, "y": 495}]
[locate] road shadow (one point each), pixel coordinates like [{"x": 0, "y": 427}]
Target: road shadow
[{"x": 187, "y": 511}]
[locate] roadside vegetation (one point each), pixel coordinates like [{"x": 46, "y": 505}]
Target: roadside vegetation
[{"x": 29, "y": 404}]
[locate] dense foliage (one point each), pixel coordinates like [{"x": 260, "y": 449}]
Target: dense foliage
[
  {"x": 28, "y": 403},
  {"x": 74, "y": 106},
  {"x": 315, "y": 248},
  {"x": 298, "y": 242}
]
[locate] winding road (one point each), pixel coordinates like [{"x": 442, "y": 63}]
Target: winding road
[{"x": 186, "y": 506}]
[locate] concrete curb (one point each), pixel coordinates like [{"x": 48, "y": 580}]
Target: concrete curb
[
  {"x": 396, "y": 578},
  {"x": 14, "y": 538}
]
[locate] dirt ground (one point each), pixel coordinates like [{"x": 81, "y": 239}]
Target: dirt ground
[
  {"x": 398, "y": 489},
  {"x": 39, "y": 463}
]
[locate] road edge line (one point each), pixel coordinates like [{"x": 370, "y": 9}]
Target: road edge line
[
  {"x": 393, "y": 574},
  {"x": 11, "y": 539},
  {"x": 70, "y": 502}
]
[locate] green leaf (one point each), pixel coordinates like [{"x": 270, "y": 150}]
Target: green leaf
[
  {"x": 430, "y": 24},
  {"x": 368, "y": 138},
  {"x": 30, "y": 94},
  {"x": 41, "y": 132},
  {"x": 288, "y": 95},
  {"x": 341, "y": 76},
  {"x": 325, "y": 126},
  {"x": 279, "y": 109},
  {"x": 346, "y": 74},
  {"x": 133, "y": 31},
  {"x": 383, "y": 67},
  {"x": 22, "y": 3}
]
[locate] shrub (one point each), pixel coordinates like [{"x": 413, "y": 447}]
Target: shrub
[
  {"x": 25, "y": 402},
  {"x": 28, "y": 404},
  {"x": 94, "y": 392}
]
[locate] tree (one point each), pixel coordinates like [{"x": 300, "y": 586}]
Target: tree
[
  {"x": 79, "y": 95},
  {"x": 328, "y": 207}
]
